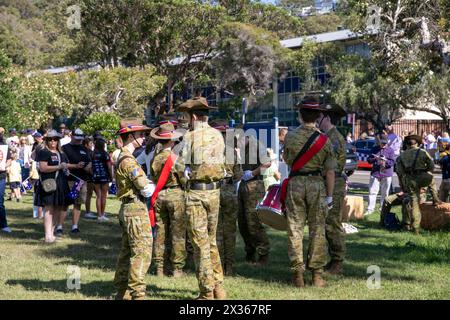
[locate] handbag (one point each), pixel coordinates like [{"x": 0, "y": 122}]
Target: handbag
[{"x": 49, "y": 185}]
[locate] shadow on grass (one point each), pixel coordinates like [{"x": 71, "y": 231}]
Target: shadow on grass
[
  {"x": 98, "y": 246},
  {"x": 98, "y": 289}
]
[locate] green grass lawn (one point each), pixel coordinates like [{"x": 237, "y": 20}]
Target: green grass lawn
[{"x": 412, "y": 267}]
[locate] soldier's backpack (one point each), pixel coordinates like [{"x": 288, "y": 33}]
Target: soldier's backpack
[
  {"x": 391, "y": 222},
  {"x": 422, "y": 179}
]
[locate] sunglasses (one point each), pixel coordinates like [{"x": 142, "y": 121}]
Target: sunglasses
[{"x": 52, "y": 139}]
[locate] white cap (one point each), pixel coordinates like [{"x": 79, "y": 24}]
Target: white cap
[{"x": 78, "y": 134}]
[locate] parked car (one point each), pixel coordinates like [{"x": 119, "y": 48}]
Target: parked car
[
  {"x": 363, "y": 147},
  {"x": 351, "y": 161}
]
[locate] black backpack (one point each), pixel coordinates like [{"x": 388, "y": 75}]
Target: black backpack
[{"x": 391, "y": 222}]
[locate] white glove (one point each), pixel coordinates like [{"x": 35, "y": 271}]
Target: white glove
[
  {"x": 330, "y": 203},
  {"x": 247, "y": 175},
  {"x": 187, "y": 173},
  {"x": 148, "y": 190}
]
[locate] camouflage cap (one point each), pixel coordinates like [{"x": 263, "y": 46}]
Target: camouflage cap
[
  {"x": 197, "y": 103},
  {"x": 132, "y": 125}
]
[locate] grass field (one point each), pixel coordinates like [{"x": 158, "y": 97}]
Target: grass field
[{"x": 412, "y": 267}]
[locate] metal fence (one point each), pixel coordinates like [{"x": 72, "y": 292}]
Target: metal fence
[{"x": 402, "y": 127}]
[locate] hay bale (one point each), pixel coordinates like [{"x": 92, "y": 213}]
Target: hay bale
[
  {"x": 353, "y": 208},
  {"x": 435, "y": 217}
]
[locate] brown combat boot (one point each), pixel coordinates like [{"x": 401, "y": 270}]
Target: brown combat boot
[
  {"x": 335, "y": 268},
  {"x": 219, "y": 292},
  {"x": 262, "y": 261},
  {"x": 317, "y": 279},
  {"x": 123, "y": 294},
  {"x": 178, "y": 273},
  {"x": 205, "y": 296},
  {"x": 297, "y": 279}
]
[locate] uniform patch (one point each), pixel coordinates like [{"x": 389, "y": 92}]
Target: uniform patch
[{"x": 135, "y": 172}]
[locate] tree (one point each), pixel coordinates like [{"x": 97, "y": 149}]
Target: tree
[
  {"x": 125, "y": 92},
  {"x": 43, "y": 97},
  {"x": 407, "y": 44},
  {"x": 34, "y": 33},
  {"x": 358, "y": 86},
  {"x": 106, "y": 123},
  {"x": 8, "y": 85},
  {"x": 248, "y": 58}
]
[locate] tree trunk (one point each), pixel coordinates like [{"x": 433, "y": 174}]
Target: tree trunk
[{"x": 170, "y": 85}]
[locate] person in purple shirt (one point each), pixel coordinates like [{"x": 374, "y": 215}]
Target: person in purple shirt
[
  {"x": 394, "y": 141},
  {"x": 382, "y": 158}
]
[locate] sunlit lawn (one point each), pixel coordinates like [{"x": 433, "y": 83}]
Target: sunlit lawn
[{"x": 412, "y": 267}]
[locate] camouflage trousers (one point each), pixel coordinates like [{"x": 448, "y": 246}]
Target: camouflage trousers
[
  {"x": 226, "y": 226},
  {"x": 432, "y": 188},
  {"x": 413, "y": 217},
  {"x": 251, "y": 229},
  {"x": 202, "y": 211},
  {"x": 170, "y": 241},
  {"x": 334, "y": 231},
  {"x": 136, "y": 251},
  {"x": 396, "y": 200},
  {"x": 444, "y": 190},
  {"x": 305, "y": 203}
]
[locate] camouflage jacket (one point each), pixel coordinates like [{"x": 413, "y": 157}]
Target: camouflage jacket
[
  {"x": 203, "y": 151},
  {"x": 405, "y": 161},
  {"x": 338, "y": 147},
  {"x": 157, "y": 166},
  {"x": 323, "y": 161},
  {"x": 130, "y": 178}
]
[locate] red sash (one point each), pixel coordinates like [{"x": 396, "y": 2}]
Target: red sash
[
  {"x": 300, "y": 163},
  {"x": 159, "y": 185}
]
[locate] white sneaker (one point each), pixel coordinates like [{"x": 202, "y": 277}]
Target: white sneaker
[
  {"x": 103, "y": 218},
  {"x": 90, "y": 215},
  {"x": 368, "y": 213},
  {"x": 7, "y": 230}
]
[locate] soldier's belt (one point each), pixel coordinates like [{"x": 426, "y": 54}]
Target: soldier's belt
[
  {"x": 129, "y": 200},
  {"x": 172, "y": 187},
  {"x": 306, "y": 173},
  {"x": 205, "y": 186}
]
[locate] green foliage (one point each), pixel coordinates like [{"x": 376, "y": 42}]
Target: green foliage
[
  {"x": 360, "y": 87},
  {"x": 106, "y": 123},
  {"x": 123, "y": 91},
  {"x": 8, "y": 85},
  {"x": 34, "y": 33},
  {"x": 249, "y": 58}
]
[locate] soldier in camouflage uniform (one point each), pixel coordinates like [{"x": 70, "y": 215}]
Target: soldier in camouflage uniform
[
  {"x": 308, "y": 197},
  {"x": 226, "y": 226},
  {"x": 251, "y": 192},
  {"x": 334, "y": 231},
  {"x": 169, "y": 206},
  {"x": 412, "y": 168},
  {"x": 133, "y": 187},
  {"x": 204, "y": 168},
  {"x": 395, "y": 199}
]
